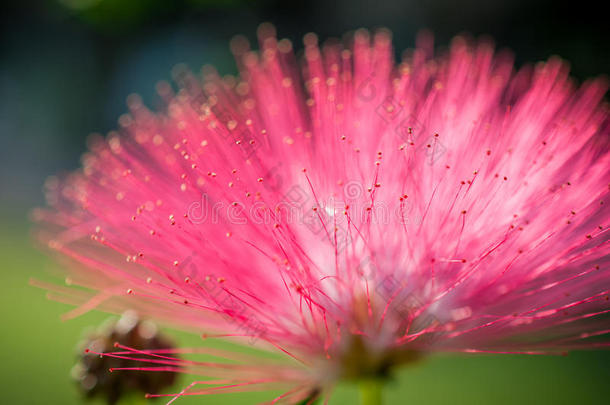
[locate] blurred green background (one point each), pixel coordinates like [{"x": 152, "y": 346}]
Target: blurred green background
[{"x": 66, "y": 67}]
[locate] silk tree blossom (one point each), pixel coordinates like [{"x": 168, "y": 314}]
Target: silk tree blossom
[{"x": 347, "y": 212}]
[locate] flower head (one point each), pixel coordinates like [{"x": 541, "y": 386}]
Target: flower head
[{"x": 352, "y": 214}]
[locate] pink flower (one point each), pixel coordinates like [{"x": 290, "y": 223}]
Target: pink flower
[{"x": 352, "y": 215}]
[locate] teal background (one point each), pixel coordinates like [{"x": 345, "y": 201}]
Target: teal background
[{"x": 66, "y": 68}]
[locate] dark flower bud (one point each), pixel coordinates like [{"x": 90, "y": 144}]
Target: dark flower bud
[{"x": 95, "y": 373}]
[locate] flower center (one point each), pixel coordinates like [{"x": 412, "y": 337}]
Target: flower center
[{"x": 363, "y": 361}]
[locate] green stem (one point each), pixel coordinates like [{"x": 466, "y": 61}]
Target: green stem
[{"x": 371, "y": 392}]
